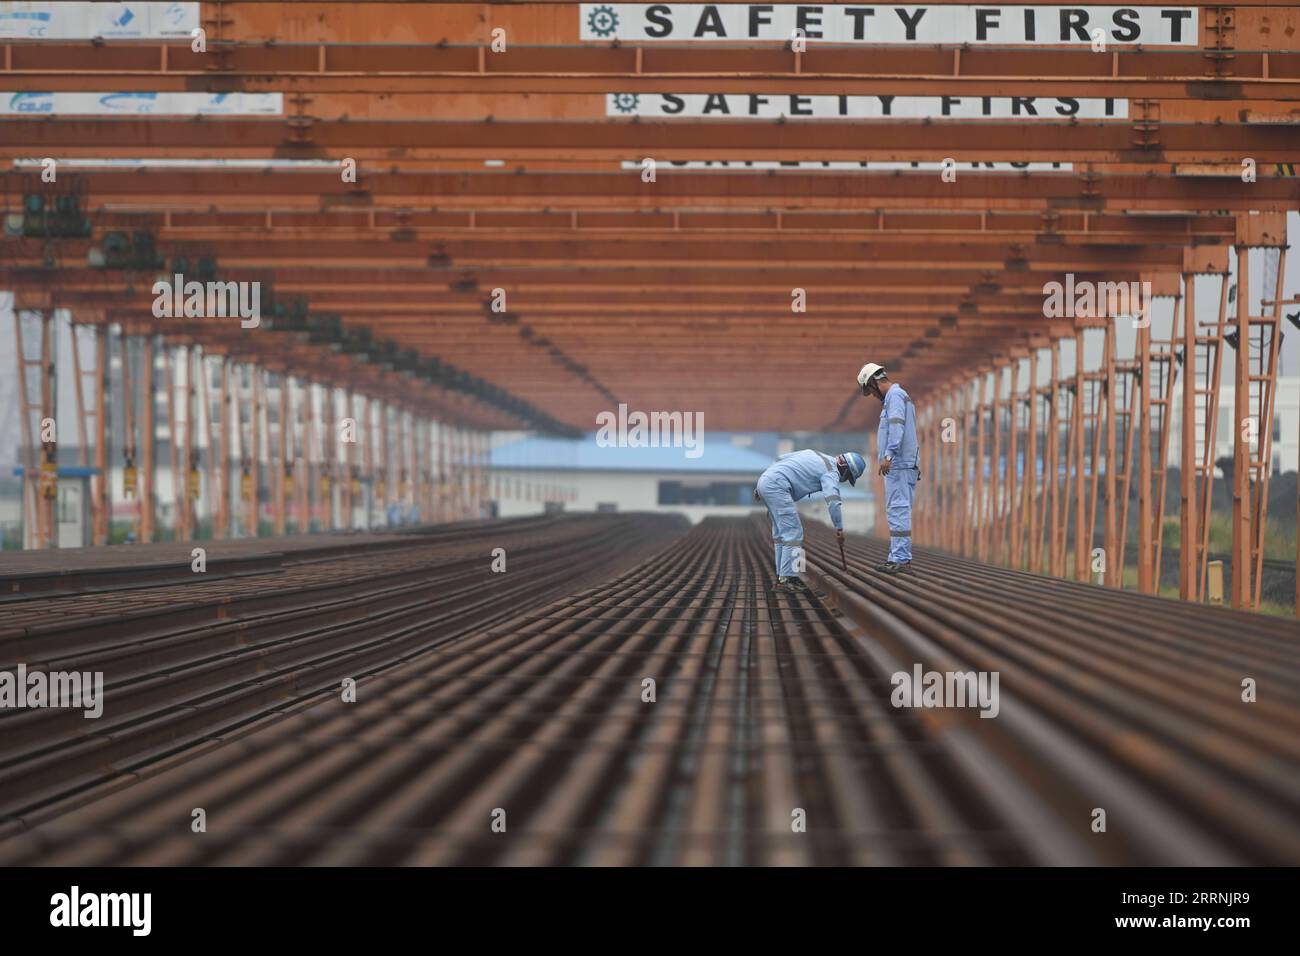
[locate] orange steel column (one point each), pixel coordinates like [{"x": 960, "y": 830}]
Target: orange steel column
[
  {"x": 31, "y": 486},
  {"x": 282, "y": 472},
  {"x": 1240, "y": 588},
  {"x": 940, "y": 452},
  {"x": 222, "y": 522},
  {"x": 993, "y": 488},
  {"x": 304, "y": 458},
  {"x": 414, "y": 467},
  {"x": 103, "y": 494},
  {"x": 194, "y": 486},
  {"x": 326, "y": 480},
  {"x": 1111, "y": 543},
  {"x": 1081, "y": 544},
  {"x": 386, "y": 457},
  {"x": 374, "y": 451},
  {"x": 1188, "y": 579},
  {"x": 148, "y": 457},
  {"x": 349, "y": 461},
  {"x": 83, "y": 432},
  {"x": 252, "y": 500},
  {"x": 399, "y": 457},
  {"x": 131, "y": 484},
  {"x": 169, "y": 357},
  {"x": 1015, "y": 509},
  {"x": 981, "y": 519},
  {"x": 955, "y": 506},
  {"x": 1029, "y": 515},
  {"x": 1044, "y": 544},
  {"x": 963, "y": 479},
  {"x": 1148, "y": 574}
]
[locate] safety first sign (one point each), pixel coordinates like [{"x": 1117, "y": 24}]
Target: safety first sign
[
  {"x": 890, "y": 25},
  {"x": 842, "y": 106}
]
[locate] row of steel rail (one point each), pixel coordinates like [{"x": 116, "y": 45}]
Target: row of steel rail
[
  {"x": 189, "y": 658},
  {"x": 768, "y": 735}
]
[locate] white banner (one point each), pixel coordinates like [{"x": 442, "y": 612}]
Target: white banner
[
  {"x": 740, "y": 165},
  {"x": 141, "y": 104},
  {"x": 843, "y": 106},
  {"x": 920, "y": 25},
  {"x": 85, "y": 21}
]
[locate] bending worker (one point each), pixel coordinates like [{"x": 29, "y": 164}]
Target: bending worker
[
  {"x": 795, "y": 476},
  {"x": 899, "y": 454}
]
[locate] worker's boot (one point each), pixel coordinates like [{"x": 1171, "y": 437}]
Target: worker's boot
[
  {"x": 781, "y": 584},
  {"x": 795, "y": 584},
  {"x": 894, "y": 567}
]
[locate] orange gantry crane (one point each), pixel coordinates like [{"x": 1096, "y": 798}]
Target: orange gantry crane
[{"x": 519, "y": 215}]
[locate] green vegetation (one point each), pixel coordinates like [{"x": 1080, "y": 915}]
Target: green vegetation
[{"x": 1279, "y": 536}]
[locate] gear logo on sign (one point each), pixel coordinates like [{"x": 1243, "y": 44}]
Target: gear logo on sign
[
  {"x": 603, "y": 21},
  {"x": 626, "y": 102}
]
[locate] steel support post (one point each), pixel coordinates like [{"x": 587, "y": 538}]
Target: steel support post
[
  {"x": 1050, "y": 520},
  {"x": 1031, "y": 474},
  {"x": 346, "y": 483},
  {"x": 387, "y": 486},
  {"x": 1241, "y": 529},
  {"x": 964, "y": 489},
  {"x": 304, "y": 462},
  {"x": 280, "y": 480},
  {"x": 374, "y": 451},
  {"x": 253, "y": 453},
  {"x": 995, "y": 470},
  {"x": 103, "y": 494},
  {"x": 1108, "y": 389},
  {"x": 173, "y": 445},
  {"x": 1081, "y": 542},
  {"x": 981, "y": 504},
  {"x": 1015, "y": 508},
  {"x": 32, "y": 536}
]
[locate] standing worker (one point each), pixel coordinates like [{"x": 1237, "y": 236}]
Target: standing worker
[
  {"x": 899, "y": 454},
  {"x": 795, "y": 476}
]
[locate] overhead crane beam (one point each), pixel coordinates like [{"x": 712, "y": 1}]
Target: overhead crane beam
[
  {"x": 342, "y": 79},
  {"x": 749, "y": 276},
  {"x": 438, "y": 198},
  {"x": 992, "y": 140},
  {"x": 869, "y": 255},
  {"x": 1062, "y": 229}
]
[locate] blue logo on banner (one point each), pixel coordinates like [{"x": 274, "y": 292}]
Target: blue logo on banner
[
  {"x": 32, "y": 102},
  {"x": 129, "y": 102},
  {"x": 17, "y": 23}
]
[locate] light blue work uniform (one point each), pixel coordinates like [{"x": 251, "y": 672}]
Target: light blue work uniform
[
  {"x": 896, "y": 440},
  {"x": 791, "y": 477}
]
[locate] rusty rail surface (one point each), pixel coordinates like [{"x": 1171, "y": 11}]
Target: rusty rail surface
[
  {"x": 770, "y": 737},
  {"x": 188, "y": 663}
]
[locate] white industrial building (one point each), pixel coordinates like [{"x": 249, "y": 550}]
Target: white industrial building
[{"x": 533, "y": 474}]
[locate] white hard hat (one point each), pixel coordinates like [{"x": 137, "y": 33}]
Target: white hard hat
[{"x": 869, "y": 371}]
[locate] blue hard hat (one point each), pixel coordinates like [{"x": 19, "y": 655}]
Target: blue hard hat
[{"x": 854, "y": 464}]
